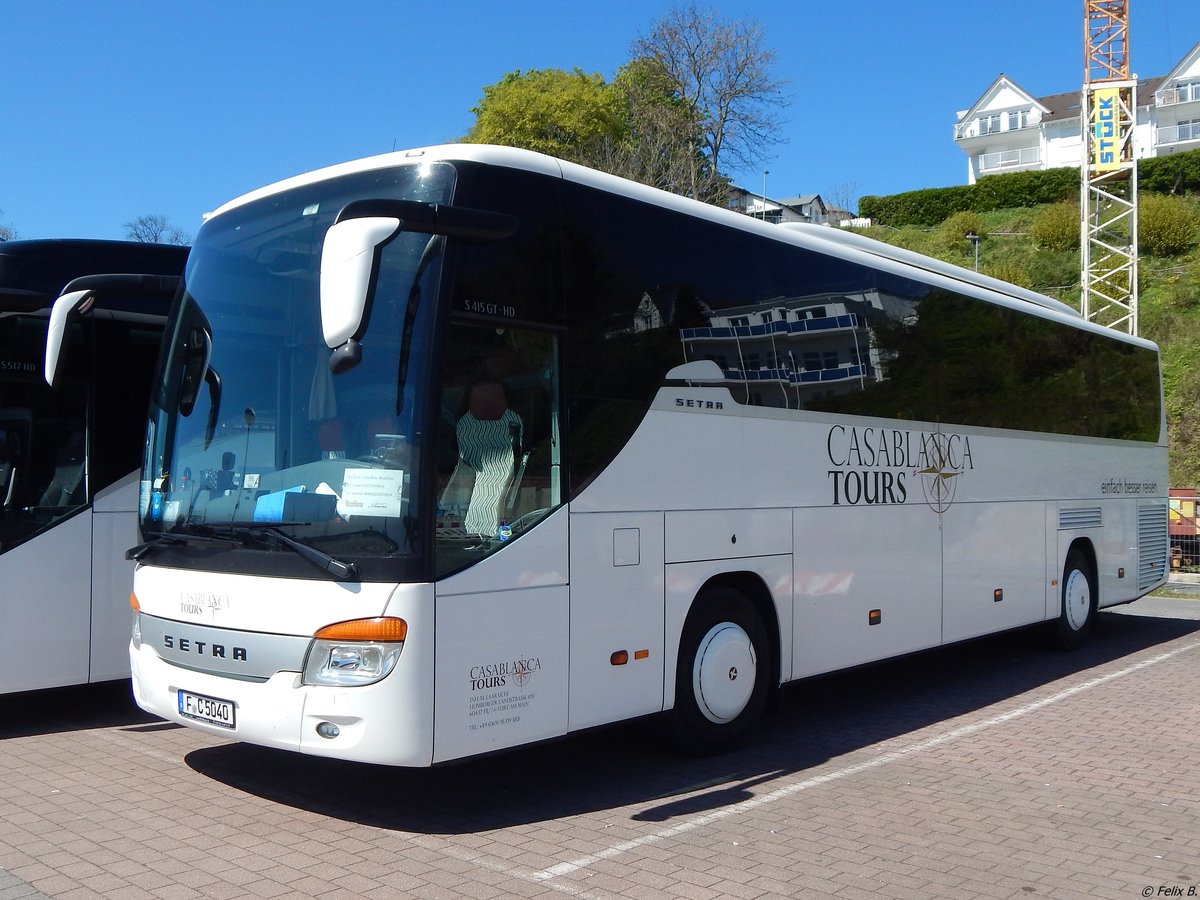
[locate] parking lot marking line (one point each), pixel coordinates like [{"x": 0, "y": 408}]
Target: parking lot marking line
[
  {"x": 583, "y": 862},
  {"x": 483, "y": 860}
]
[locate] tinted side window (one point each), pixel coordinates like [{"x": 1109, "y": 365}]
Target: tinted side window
[
  {"x": 516, "y": 277},
  {"x": 957, "y": 360},
  {"x": 647, "y": 289}
]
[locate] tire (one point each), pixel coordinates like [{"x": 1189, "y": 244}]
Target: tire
[
  {"x": 1077, "y": 612},
  {"x": 723, "y": 674}
]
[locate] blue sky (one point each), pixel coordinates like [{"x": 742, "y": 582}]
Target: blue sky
[{"x": 118, "y": 109}]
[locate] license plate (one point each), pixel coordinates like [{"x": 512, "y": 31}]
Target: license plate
[{"x": 212, "y": 710}]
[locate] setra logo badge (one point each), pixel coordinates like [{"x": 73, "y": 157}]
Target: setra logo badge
[{"x": 203, "y": 648}]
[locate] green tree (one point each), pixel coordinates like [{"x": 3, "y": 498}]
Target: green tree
[{"x": 571, "y": 115}]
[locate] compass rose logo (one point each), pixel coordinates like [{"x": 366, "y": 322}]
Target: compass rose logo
[
  {"x": 940, "y": 477},
  {"x": 521, "y": 675}
]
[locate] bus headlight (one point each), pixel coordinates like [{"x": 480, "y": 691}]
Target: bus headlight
[{"x": 348, "y": 654}]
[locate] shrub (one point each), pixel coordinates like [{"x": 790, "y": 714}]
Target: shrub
[
  {"x": 1177, "y": 173},
  {"x": 1166, "y": 225},
  {"x": 960, "y": 224},
  {"x": 1011, "y": 271},
  {"x": 1057, "y": 227},
  {"x": 1174, "y": 174},
  {"x": 1012, "y": 189}
]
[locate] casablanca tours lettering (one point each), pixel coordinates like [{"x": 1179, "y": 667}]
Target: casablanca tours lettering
[
  {"x": 876, "y": 465},
  {"x": 499, "y": 674}
]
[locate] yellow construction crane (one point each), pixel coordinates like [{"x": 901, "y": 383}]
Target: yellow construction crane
[{"x": 1108, "y": 192}]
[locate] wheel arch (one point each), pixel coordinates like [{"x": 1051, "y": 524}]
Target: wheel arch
[
  {"x": 1085, "y": 547},
  {"x": 752, "y": 586}
]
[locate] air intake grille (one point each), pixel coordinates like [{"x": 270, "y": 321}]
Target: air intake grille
[
  {"x": 1153, "y": 545},
  {"x": 1085, "y": 517}
]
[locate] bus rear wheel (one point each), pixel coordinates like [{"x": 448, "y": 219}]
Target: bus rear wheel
[
  {"x": 1079, "y": 600},
  {"x": 722, "y": 678}
]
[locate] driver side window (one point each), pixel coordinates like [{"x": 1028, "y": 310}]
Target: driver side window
[{"x": 499, "y": 449}]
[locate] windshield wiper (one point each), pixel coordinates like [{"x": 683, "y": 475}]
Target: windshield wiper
[
  {"x": 182, "y": 535},
  {"x": 245, "y": 532}
]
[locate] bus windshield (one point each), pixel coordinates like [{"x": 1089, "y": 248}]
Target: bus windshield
[{"x": 250, "y": 433}]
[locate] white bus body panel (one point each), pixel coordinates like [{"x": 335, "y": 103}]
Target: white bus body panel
[
  {"x": 114, "y": 530},
  {"x": 846, "y": 567},
  {"x": 44, "y": 615},
  {"x": 387, "y": 722},
  {"x": 860, "y": 542},
  {"x": 994, "y": 571},
  {"x": 64, "y": 615},
  {"x": 502, "y": 644},
  {"x": 617, "y": 603}
]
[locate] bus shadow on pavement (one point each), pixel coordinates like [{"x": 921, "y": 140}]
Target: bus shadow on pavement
[
  {"x": 60, "y": 710},
  {"x": 630, "y": 765}
]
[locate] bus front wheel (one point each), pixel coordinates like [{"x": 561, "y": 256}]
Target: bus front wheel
[
  {"x": 1079, "y": 599},
  {"x": 722, "y": 678}
]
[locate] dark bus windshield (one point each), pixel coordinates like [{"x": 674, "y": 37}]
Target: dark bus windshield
[{"x": 59, "y": 447}]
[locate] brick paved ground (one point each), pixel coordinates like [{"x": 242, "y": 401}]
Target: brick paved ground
[{"x": 997, "y": 769}]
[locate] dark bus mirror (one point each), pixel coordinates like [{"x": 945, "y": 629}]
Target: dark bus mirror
[
  {"x": 197, "y": 354},
  {"x": 82, "y": 294}
]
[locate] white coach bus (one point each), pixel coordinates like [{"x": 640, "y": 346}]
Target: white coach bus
[
  {"x": 69, "y": 456},
  {"x": 464, "y": 447}
]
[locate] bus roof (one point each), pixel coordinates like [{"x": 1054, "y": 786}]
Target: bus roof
[{"x": 33, "y": 272}]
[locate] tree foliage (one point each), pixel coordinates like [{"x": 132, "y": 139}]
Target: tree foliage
[
  {"x": 7, "y": 232},
  {"x": 697, "y": 96},
  {"x": 155, "y": 229},
  {"x": 658, "y": 145},
  {"x": 565, "y": 114}
]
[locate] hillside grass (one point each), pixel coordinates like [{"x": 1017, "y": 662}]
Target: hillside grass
[{"x": 1168, "y": 302}]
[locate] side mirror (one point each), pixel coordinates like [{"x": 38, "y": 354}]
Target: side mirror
[
  {"x": 56, "y": 333},
  {"x": 81, "y": 294},
  {"x": 197, "y": 354},
  {"x": 350, "y": 259}
]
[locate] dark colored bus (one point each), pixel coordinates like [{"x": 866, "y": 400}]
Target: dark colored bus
[{"x": 69, "y": 455}]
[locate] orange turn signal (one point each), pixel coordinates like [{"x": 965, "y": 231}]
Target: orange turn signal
[
  {"x": 133, "y": 603},
  {"x": 619, "y": 658},
  {"x": 381, "y": 628}
]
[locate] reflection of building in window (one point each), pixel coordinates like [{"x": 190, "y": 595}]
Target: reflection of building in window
[{"x": 802, "y": 349}]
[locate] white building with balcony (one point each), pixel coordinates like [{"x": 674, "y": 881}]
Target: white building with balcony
[{"x": 1009, "y": 130}]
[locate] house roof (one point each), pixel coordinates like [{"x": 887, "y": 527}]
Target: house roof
[
  {"x": 1189, "y": 59},
  {"x": 1001, "y": 81},
  {"x": 1066, "y": 105},
  {"x": 802, "y": 200},
  {"x": 1058, "y": 107}
]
